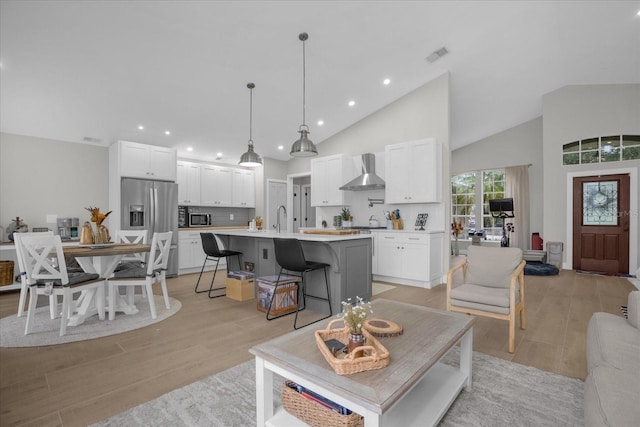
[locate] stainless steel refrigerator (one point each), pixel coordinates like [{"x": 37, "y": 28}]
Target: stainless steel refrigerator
[{"x": 152, "y": 206}]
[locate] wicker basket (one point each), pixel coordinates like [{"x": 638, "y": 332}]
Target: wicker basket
[
  {"x": 365, "y": 358},
  {"x": 6, "y": 273},
  {"x": 315, "y": 414}
]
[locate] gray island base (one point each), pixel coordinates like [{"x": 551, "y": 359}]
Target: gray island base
[{"x": 349, "y": 257}]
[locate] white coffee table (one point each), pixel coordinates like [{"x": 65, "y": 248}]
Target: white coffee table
[{"x": 415, "y": 389}]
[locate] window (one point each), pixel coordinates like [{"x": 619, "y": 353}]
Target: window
[
  {"x": 470, "y": 195},
  {"x": 601, "y": 150}
]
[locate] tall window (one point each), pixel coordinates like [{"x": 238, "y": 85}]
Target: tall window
[{"x": 470, "y": 195}]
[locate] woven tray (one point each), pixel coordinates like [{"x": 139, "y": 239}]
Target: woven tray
[
  {"x": 315, "y": 414},
  {"x": 6, "y": 273},
  {"x": 371, "y": 356}
]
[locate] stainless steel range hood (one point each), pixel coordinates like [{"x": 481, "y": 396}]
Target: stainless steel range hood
[{"x": 368, "y": 180}]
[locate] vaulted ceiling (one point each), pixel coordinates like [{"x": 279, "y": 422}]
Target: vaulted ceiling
[{"x": 94, "y": 71}]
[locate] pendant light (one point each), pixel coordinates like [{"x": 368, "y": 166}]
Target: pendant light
[
  {"x": 303, "y": 147},
  {"x": 250, "y": 158}
]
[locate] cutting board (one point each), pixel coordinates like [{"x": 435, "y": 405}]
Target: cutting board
[{"x": 332, "y": 232}]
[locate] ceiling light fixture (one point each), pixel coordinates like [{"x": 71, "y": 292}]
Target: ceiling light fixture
[
  {"x": 189, "y": 148},
  {"x": 386, "y": 81},
  {"x": 166, "y": 132},
  {"x": 303, "y": 147},
  {"x": 250, "y": 158},
  {"x": 320, "y": 122},
  {"x": 141, "y": 127},
  {"x": 352, "y": 103}
]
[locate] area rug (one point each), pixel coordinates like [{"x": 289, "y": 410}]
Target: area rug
[
  {"x": 504, "y": 394},
  {"x": 47, "y": 331},
  {"x": 378, "y": 288}
]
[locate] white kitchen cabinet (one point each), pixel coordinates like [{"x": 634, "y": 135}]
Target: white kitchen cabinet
[
  {"x": 413, "y": 172},
  {"x": 328, "y": 174},
  {"x": 145, "y": 161},
  {"x": 409, "y": 258},
  {"x": 243, "y": 193},
  {"x": 188, "y": 179},
  {"x": 215, "y": 185},
  {"x": 190, "y": 252}
]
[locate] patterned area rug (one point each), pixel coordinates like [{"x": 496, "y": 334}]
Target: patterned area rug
[
  {"x": 504, "y": 394},
  {"x": 47, "y": 331}
]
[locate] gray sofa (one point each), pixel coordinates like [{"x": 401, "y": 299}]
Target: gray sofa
[{"x": 612, "y": 387}]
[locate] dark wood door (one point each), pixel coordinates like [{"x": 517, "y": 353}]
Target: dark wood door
[{"x": 601, "y": 223}]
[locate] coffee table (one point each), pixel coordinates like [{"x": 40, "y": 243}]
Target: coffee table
[{"x": 416, "y": 388}]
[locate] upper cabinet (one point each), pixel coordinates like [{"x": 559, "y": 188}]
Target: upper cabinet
[
  {"x": 243, "y": 193},
  {"x": 328, "y": 174},
  {"x": 413, "y": 172},
  {"x": 215, "y": 185},
  {"x": 188, "y": 180},
  {"x": 146, "y": 161}
]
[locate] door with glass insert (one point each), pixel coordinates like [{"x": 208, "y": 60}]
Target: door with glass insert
[{"x": 601, "y": 223}]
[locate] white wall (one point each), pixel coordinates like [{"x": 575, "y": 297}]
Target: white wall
[
  {"x": 422, "y": 113},
  {"x": 577, "y": 112},
  {"x": 520, "y": 145},
  {"x": 42, "y": 176}
]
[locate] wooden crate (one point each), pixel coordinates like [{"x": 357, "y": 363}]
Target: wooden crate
[
  {"x": 285, "y": 299},
  {"x": 240, "y": 290}
]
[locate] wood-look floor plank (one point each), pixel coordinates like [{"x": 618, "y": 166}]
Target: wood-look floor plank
[{"x": 50, "y": 386}]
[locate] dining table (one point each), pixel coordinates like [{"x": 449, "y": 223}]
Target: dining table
[{"x": 101, "y": 259}]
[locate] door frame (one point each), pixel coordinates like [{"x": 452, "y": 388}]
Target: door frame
[
  {"x": 633, "y": 207},
  {"x": 290, "y": 179}
]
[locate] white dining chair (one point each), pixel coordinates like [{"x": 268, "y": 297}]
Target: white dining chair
[
  {"x": 154, "y": 272},
  {"x": 138, "y": 259},
  {"x": 24, "y": 290},
  {"x": 46, "y": 274}
]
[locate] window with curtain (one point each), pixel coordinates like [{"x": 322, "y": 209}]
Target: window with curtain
[{"x": 470, "y": 195}]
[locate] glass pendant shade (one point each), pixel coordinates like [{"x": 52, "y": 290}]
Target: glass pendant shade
[
  {"x": 250, "y": 158},
  {"x": 303, "y": 147}
]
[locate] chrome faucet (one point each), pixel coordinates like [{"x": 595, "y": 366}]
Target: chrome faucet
[{"x": 277, "y": 226}]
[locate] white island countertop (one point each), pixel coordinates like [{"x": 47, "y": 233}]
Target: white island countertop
[{"x": 268, "y": 234}]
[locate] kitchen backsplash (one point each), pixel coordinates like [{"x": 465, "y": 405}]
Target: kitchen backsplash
[
  {"x": 361, "y": 211},
  {"x": 221, "y": 217}
]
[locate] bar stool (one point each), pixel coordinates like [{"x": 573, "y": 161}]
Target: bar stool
[
  {"x": 290, "y": 257},
  {"x": 211, "y": 249}
]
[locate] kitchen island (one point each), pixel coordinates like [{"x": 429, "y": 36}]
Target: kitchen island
[{"x": 349, "y": 258}]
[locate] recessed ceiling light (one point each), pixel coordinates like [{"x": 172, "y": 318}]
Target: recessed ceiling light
[
  {"x": 280, "y": 147},
  {"x": 320, "y": 122},
  {"x": 352, "y": 103},
  {"x": 386, "y": 81},
  {"x": 141, "y": 127},
  {"x": 166, "y": 132},
  {"x": 189, "y": 148},
  {"x": 219, "y": 155}
]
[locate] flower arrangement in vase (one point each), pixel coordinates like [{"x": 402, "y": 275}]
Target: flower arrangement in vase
[
  {"x": 456, "y": 230},
  {"x": 354, "y": 315},
  {"x": 102, "y": 233}
]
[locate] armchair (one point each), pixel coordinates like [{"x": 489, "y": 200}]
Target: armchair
[{"x": 492, "y": 286}]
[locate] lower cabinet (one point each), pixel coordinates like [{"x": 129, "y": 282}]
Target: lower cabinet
[
  {"x": 409, "y": 258},
  {"x": 191, "y": 255}
]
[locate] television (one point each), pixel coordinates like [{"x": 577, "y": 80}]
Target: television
[{"x": 501, "y": 207}]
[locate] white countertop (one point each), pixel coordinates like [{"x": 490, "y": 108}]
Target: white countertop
[{"x": 264, "y": 234}]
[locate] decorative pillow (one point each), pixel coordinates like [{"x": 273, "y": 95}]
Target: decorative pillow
[{"x": 633, "y": 309}]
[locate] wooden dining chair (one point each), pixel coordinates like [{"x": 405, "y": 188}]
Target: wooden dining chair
[
  {"x": 145, "y": 277},
  {"x": 24, "y": 288},
  {"x": 46, "y": 274}
]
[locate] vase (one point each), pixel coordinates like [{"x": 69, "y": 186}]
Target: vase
[
  {"x": 456, "y": 249},
  {"x": 355, "y": 341}
]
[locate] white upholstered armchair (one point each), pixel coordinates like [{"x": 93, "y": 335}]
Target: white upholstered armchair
[{"x": 492, "y": 286}]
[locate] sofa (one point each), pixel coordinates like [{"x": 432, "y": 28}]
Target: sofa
[{"x": 612, "y": 387}]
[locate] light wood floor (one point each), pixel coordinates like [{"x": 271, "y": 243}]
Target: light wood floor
[{"x": 80, "y": 383}]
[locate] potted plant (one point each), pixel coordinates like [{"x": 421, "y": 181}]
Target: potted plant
[
  {"x": 354, "y": 315},
  {"x": 346, "y": 217}
]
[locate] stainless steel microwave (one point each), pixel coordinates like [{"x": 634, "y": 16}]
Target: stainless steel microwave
[{"x": 199, "y": 219}]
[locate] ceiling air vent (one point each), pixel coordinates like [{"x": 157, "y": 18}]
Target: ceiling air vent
[
  {"x": 92, "y": 140},
  {"x": 437, "y": 54}
]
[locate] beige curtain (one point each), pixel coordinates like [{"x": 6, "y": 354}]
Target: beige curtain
[{"x": 517, "y": 186}]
